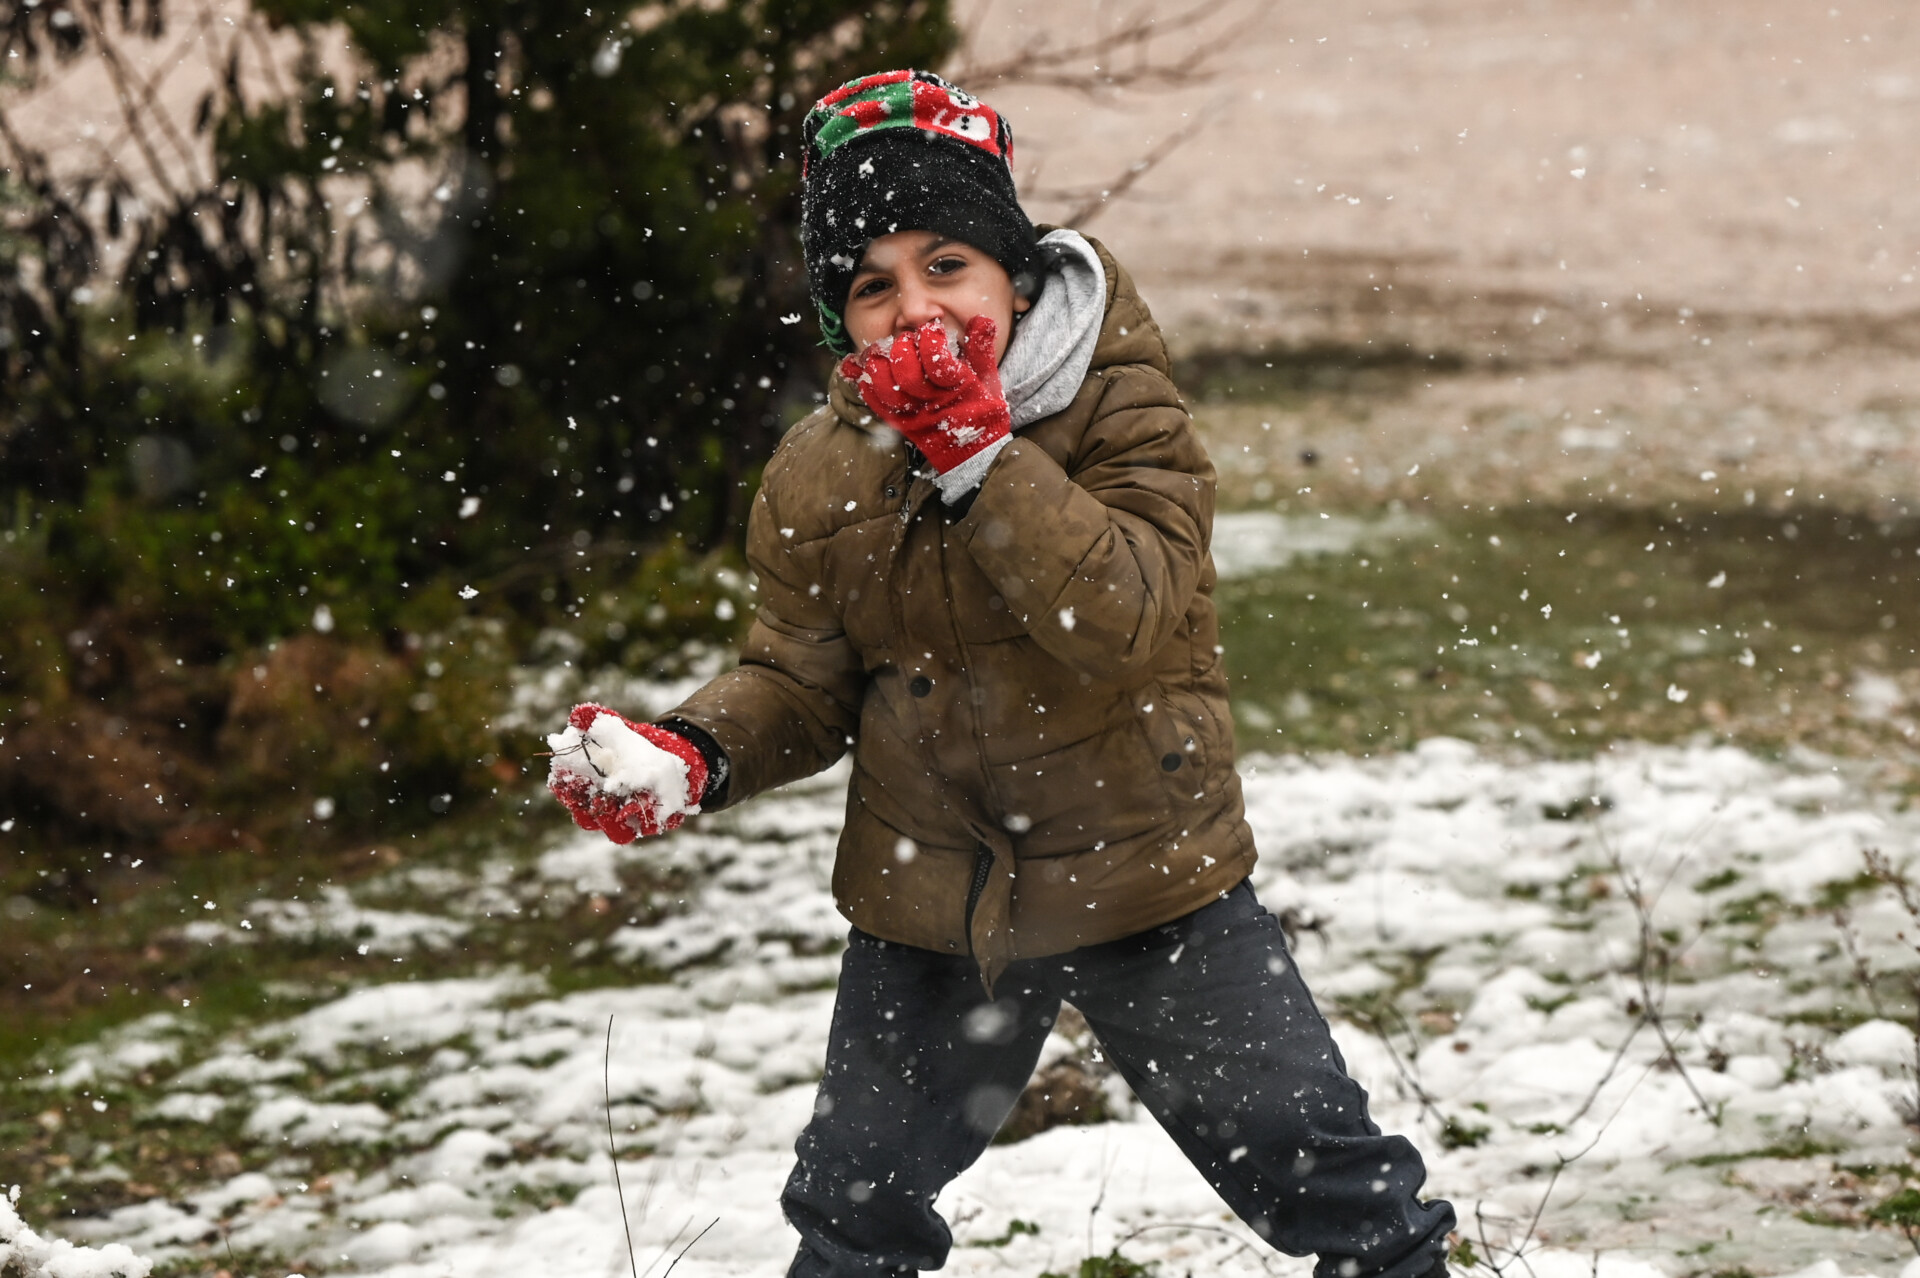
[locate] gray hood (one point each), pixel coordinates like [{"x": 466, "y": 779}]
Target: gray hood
[
  {"x": 1051, "y": 350},
  {"x": 1053, "y": 342}
]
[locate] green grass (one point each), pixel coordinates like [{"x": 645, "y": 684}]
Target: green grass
[
  {"x": 1792, "y": 1149},
  {"x": 1564, "y": 634},
  {"x": 1111, "y": 1265},
  {"x": 1456, "y": 1133},
  {"x": 1015, "y": 1228},
  {"x": 134, "y": 964},
  {"x": 1360, "y": 652}
]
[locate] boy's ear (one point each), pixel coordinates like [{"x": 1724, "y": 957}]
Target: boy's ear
[{"x": 1022, "y": 303}]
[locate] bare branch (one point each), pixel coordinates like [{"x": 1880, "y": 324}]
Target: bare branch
[
  {"x": 1087, "y": 66},
  {"x": 1519, "y": 1251},
  {"x": 1092, "y": 205},
  {"x": 148, "y": 98},
  {"x": 1259, "y": 1253},
  {"x": 1863, "y": 973},
  {"x": 1653, "y": 965},
  {"x": 120, "y": 75},
  {"x": 1606, "y": 1075},
  {"x": 613, "y": 1155},
  {"x": 1882, "y": 869},
  {"x": 1404, "y": 1066},
  {"x": 27, "y": 162},
  {"x": 221, "y": 61},
  {"x": 689, "y": 1247},
  {"x": 256, "y": 32}
]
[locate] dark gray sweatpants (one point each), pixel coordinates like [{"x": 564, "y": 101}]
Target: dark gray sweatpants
[{"x": 1206, "y": 1019}]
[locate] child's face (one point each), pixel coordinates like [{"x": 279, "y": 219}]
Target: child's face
[{"x": 910, "y": 278}]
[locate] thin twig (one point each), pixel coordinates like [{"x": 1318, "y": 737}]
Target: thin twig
[
  {"x": 1404, "y": 1066},
  {"x": 1106, "y": 1173},
  {"x": 580, "y": 749},
  {"x": 1563, "y": 1161},
  {"x": 1652, "y": 1001},
  {"x": 1095, "y": 203},
  {"x": 116, "y": 72},
  {"x": 689, "y": 1247},
  {"x": 150, "y": 89},
  {"x": 1517, "y": 1252},
  {"x": 122, "y": 77},
  {"x": 1863, "y": 973},
  {"x": 269, "y": 67},
  {"x": 1606, "y": 1075},
  {"x": 1883, "y": 871},
  {"x": 606, "y": 1095},
  {"x": 1057, "y": 67},
  {"x": 669, "y": 1245},
  {"x": 1653, "y": 989},
  {"x": 1486, "y": 1244},
  {"x": 1258, "y": 1253},
  {"x": 27, "y": 162}
]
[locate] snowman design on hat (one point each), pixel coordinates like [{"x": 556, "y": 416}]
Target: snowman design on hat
[{"x": 911, "y": 99}]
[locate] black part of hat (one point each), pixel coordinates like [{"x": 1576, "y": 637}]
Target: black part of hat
[{"x": 905, "y": 180}]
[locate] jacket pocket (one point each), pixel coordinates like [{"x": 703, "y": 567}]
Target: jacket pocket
[{"x": 1180, "y": 737}]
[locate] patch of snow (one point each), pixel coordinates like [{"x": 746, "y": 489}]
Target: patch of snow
[
  {"x": 27, "y": 1254},
  {"x": 1441, "y": 884},
  {"x": 1881, "y": 1044},
  {"x": 1248, "y": 542}
]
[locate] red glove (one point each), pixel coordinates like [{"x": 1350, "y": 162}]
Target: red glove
[
  {"x": 950, "y": 405},
  {"x": 619, "y": 786}
]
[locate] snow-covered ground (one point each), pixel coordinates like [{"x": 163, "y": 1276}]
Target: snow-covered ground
[{"x": 1463, "y": 916}]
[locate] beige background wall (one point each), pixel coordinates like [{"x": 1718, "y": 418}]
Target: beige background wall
[
  {"x": 1727, "y": 154},
  {"x": 1670, "y": 237}
]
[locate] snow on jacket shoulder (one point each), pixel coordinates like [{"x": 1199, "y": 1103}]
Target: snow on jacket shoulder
[{"x": 1043, "y": 756}]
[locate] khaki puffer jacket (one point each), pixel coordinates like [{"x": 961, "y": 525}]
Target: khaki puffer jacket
[{"x": 1032, "y": 690}]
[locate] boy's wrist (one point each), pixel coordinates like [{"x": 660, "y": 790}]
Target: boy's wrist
[
  {"x": 967, "y": 476},
  {"x": 713, "y": 794}
]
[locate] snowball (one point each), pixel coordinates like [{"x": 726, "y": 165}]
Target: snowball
[{"x": 614, "y": 758}]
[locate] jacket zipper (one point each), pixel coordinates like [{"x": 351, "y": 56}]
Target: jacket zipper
[{"x": 982, "y": 869}]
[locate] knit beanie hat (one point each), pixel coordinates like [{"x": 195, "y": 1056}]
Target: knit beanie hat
[{"x": 904, "y": 151}]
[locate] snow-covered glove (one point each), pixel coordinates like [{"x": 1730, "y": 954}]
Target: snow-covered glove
[
  {"x": 623, "y": 778},
  {"x": 948, "y": 403}
]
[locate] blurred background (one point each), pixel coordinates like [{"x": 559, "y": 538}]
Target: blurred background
[{"x": 377, "y": 378}]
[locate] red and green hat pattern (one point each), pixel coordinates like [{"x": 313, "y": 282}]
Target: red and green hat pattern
[{"x": 904, "y": 100}]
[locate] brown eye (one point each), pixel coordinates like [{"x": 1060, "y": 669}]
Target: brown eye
[
  {"x": 871, "y": 288},
  {"x": 947, "y": 265}
]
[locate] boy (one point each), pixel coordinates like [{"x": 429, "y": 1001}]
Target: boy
[{"x": 984, "y": 566}]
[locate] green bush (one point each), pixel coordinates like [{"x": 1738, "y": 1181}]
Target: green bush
[{"x": 471, "y": 336}]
